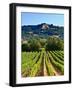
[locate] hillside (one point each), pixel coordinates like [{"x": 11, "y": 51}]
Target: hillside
[{"x": 43, "y": 30}]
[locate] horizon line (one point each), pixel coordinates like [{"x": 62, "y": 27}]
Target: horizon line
[{"x": 43, "y": 23}]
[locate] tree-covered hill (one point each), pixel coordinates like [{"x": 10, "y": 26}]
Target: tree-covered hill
[{"x": 42, "y": 30}]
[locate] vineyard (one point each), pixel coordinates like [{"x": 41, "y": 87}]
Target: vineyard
[{"x": 42, "y": 63}]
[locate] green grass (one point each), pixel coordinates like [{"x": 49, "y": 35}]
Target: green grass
[{"x": 32, "y": 63}]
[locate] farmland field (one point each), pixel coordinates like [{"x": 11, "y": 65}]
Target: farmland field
[{"x": 42, "y": 63}]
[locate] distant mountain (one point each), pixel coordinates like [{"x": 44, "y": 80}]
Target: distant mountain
[{"x": 43, "y": 30}]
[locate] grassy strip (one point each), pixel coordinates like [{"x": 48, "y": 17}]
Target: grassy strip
[
  {"x": 59, "y": 56},
  {"x": 50, "y": 70},
  {"x": 56, "y": 58},
  {"x": 36, "y": 68},
  {"x": 56, "y": 64},
  {"x": 59, "y": 52},
  {"x": 26, "y": 67}
]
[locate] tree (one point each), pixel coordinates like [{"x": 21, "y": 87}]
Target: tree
[
  {"x": 54, "y": 43},
  {"x": 34, "y": 45},
  {"x": 42, "y": 42},
  {"x": 25, "y": 47}
]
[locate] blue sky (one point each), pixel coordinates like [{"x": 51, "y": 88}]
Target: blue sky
[{"x": 28, "y": 18}]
